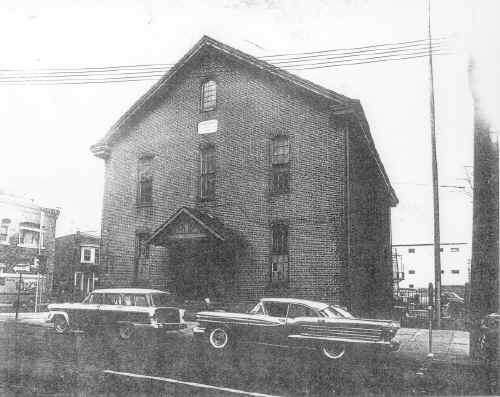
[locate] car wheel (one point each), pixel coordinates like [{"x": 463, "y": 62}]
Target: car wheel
[
  {"x": 126, "y": 331},
  {"x": 219, "y": 338},
  {"x": 333, "y": 351},
  {"x": 61, "y": 326}
]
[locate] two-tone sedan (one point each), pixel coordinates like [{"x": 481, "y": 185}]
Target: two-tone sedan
[
  {"x": 296, "y": 323},
  {"x": 123, "y": 309}
]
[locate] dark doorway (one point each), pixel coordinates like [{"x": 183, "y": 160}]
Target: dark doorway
[{"x": 190, "y": 263}]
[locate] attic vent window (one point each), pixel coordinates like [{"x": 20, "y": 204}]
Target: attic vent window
[{"x": 208, "y": 95}]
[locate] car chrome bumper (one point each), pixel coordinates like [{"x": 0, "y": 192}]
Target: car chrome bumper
[
  {"x": 163, "y": 326},
  {"x": 199, "y": 331}
]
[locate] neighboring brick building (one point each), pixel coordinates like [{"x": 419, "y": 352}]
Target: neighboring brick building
[
  {"x": 27, "y": 236},
  {"x": 246, "y": 181},
  {"x": 77, "y": 264}
]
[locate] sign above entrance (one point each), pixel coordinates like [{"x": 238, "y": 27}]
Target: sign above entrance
[
  {"x": 188, "y": 223},
  {"x": 185, "y": 227},
  {"x": 207, "y": 127}
]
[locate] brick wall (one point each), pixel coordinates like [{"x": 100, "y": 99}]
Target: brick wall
[
  {"x": 251, "y": 109},
  {"x": 68, "y": 259},
  {"x": 370, "y": 265}
]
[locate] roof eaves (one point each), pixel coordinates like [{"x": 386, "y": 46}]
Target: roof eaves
[
  {"x": 101, "y": 148},
  {"x": 354, "y": 108}
]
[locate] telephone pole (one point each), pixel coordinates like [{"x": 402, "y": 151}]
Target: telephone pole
[{"x": 435, "y": 183}]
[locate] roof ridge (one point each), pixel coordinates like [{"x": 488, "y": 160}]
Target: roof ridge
[{"x": 204, "y": 41}]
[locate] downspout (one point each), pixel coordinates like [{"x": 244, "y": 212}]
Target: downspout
[{"x": 347, "y": 284}]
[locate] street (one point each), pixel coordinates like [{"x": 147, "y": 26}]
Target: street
[{"x": 37, "y": 361}]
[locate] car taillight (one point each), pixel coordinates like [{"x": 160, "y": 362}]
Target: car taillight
[
  {"x": 390, "y": 331},
  {"x": 154, "y": 318}
]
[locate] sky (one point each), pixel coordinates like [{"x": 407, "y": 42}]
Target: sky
[{"x": 47, "y": 130}]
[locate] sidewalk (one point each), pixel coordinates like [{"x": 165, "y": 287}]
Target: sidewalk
[
  {"x": 37, "y": 319},
  {"x": 448, "y": 346}
]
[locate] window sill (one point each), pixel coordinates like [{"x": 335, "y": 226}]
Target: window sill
[
  {"x": 144, "y": 205},
  {"x": 208, "y": 110},
  {"x": 278, "y": 285},
  {"x": 205, "y": 199},
  {"x": 277, "y": 194},
  {"x": 28, "y": 246}
]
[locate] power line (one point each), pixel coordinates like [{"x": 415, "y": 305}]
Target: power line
[
  {"x": 80, "y": 77},
  {"x": 317, "y": 65},
  {"x": 162, "y": 66},
  {"x": 355, "y": 48},
  {"x": 153, "y": 73},
  {"x": 155, "y": 77},
  {"x": 372, "y": 51},
  {"x": 136, "y": 70}
]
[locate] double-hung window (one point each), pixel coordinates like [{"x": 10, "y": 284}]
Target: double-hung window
[
  {"x": 207, "y": 173},
  {"x": 145, "y": 181},
  {"x": 4, "y": 230},
  {"x": 280, "y": 165},
  {"x": 279, "y": 253},
  {"x": 87, "y": 255},
  {"x": 141, "y": 256}
]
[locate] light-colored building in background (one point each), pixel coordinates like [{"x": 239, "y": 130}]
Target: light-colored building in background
[
  {"x": 417, "y": 262},
  {"x": 27, "y": 235}
]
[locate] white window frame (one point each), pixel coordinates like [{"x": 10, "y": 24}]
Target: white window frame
[
  {"x": 4, "y": 224},
  {"x": 30, "y": 229},
  {"x": 82, "y": 254}
]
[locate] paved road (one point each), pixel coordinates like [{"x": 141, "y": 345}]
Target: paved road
[{"x": 38, "y": 361}]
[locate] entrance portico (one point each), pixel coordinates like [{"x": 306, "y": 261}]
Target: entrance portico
[{"x": 200, "y": 260}]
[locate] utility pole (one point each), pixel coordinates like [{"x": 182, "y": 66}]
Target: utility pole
[{"x": 435, "y": 183}]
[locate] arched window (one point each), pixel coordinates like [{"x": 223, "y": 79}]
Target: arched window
[{"x": 208, "y": 95}]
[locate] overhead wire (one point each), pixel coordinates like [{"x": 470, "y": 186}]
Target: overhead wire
[
  {"x": 131, "y": 73},
  {"x": 153, "y": 73}
]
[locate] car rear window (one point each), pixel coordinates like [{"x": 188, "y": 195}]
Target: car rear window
[{"x": 300, "y": 311}]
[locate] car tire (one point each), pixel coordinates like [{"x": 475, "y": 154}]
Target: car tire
[
  {"x": 126, "y": 331},
  {"x": 219, "y": 338},
  {"x": 333, "y": 351},
  {"x": 61, "y": 325}
]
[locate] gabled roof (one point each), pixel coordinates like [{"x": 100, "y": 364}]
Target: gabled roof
[
  {"x": 340, "y": 104},
  {"x": 208, "y": 42},
  {"x": 205, "y": 221}
]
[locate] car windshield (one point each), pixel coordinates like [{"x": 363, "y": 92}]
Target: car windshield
[
  {"x": 335, "y": 312},
  {"x": 161, "y": 299},
  {"x": 257, "y": 309},
  {"x": 93, "y": 299}
]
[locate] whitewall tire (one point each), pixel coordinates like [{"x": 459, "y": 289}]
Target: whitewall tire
[
  {"x": 219, "y": 338},
  {"x": 333, "y": 351},
  {"x": 61, "y": 325}
]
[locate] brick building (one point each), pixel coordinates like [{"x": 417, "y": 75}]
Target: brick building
[
  {"x": 234, "y": 179},
  {"x": 27, "y": 235},
  {"x": 77, "y": 267}
]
